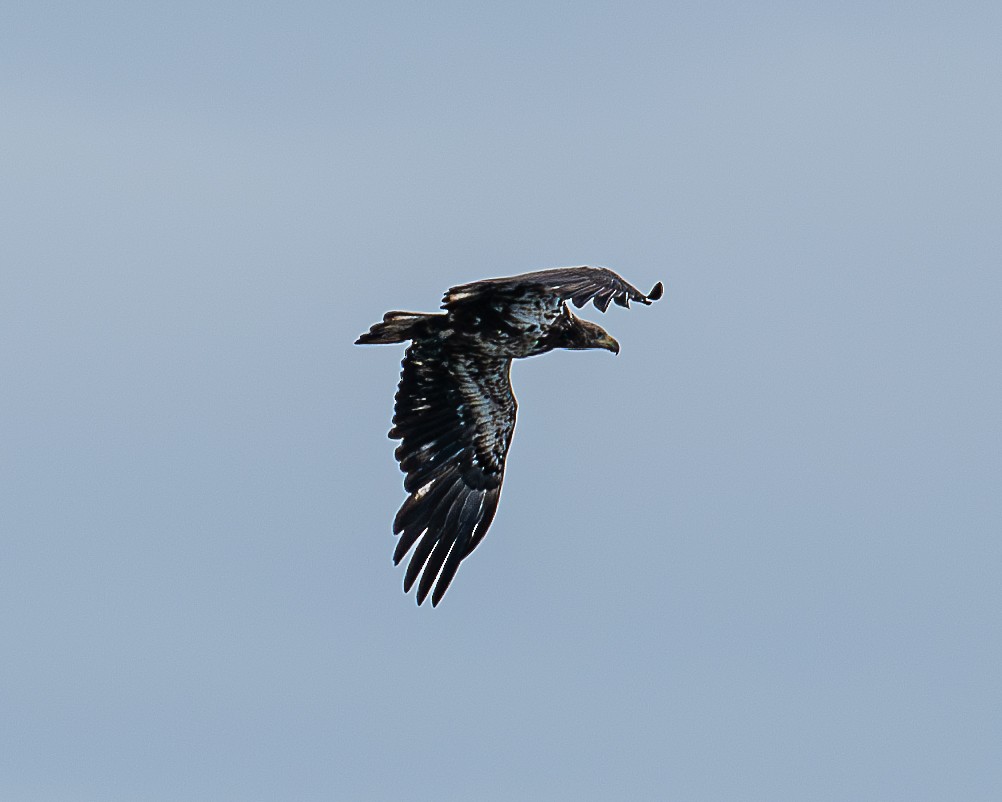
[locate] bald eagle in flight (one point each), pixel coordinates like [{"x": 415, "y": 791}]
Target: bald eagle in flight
[{"x": 455, "y": 411}]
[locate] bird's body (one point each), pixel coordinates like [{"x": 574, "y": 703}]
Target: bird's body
[{"x": 455, "y": 411}]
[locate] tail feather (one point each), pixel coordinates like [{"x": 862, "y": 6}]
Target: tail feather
[{"x": 396, "y": 327}]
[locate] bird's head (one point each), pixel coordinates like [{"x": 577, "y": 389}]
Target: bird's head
[{"x": 584, "y": 334}]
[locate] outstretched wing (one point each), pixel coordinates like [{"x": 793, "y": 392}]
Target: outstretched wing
[
  {"x": 576, "y": 284},
  {"x": 455, "y": 414}
]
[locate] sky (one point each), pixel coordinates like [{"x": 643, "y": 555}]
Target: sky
[{"x": 755, "y": 556}]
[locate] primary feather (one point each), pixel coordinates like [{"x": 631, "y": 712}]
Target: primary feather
[{"x": 455, "y": 411}]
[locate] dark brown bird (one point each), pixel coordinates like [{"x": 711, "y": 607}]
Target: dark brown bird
[{"x": 455, "y": 411}]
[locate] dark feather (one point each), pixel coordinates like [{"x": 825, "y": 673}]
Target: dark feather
[
  {"x": 431, "y": 537},
  {"x": 416, "y": 510},
  {"x": 418, "y": 559},
  {"x": 468, "y": 520},
  {"x": 448, "y": 539},
  {"x": 430, "y": 471},
  {"x": 490, "y": 507}
]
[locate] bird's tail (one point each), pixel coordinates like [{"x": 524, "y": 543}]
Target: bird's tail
[{"x": 397, "y": 327}]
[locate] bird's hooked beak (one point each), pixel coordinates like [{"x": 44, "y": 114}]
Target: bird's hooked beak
[
  {"x": 585, "y": 334},
  {"x": 606, "y": 342},
  {"x": 591, "y": 335}
]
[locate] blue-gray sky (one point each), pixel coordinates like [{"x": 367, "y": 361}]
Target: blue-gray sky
[{"x": 756, "y": 556}]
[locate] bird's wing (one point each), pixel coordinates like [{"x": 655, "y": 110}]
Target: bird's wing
[
  {"x": 455, "y": 413},
  {"x": 576, "y": 284}
]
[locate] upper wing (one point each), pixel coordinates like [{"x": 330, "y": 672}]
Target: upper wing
[
  {"x": 455, "y": 414},
  {"x": 577, "y": 284}
]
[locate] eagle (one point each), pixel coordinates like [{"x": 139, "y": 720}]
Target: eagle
[{"x": 455, "y": 411}]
